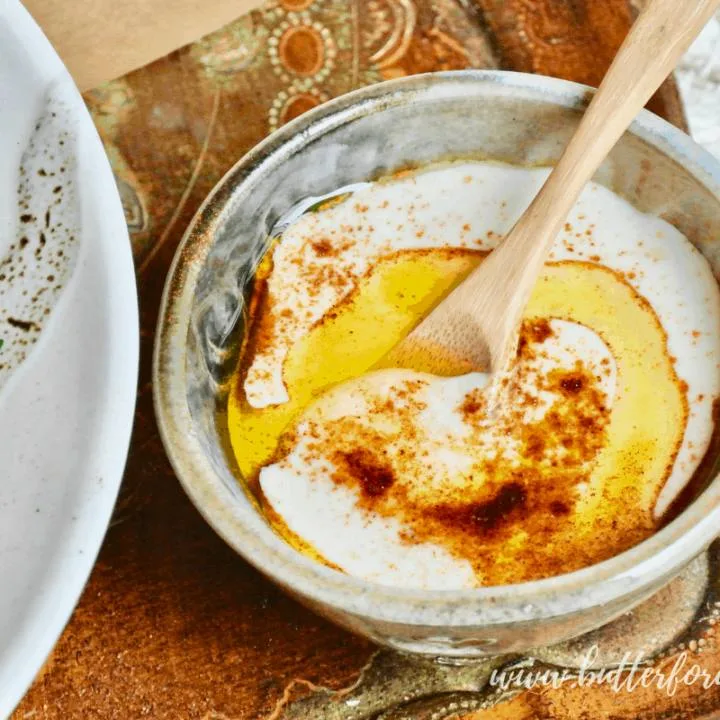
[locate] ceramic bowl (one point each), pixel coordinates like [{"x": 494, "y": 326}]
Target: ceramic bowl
[{"x": 512, "y": 117}]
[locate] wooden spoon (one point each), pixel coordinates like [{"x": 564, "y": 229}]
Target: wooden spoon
[{"x": 476, "y": 326}]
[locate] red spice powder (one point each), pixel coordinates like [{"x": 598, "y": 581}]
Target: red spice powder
[
  {"x": 483, "y": 518},
  {"x": 374, "y": 477}
]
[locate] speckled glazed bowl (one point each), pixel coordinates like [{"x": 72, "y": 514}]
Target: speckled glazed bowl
[{"x": 517, "y": 118}]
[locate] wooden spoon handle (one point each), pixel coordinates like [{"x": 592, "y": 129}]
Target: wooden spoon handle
[{"x": 655, "y": 43}]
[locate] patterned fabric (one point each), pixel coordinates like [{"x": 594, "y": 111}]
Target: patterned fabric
[
  {"x": 173, "y": 624},
  {"x": 189, "y": 117}
]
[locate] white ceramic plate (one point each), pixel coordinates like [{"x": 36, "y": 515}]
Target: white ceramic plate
[{"x": 68, "y": 361}]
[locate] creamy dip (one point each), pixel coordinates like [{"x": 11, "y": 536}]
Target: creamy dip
[{"x": 401, "y": 477}]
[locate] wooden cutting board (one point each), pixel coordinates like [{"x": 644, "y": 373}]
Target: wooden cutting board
[{"x": 172, "y": 623}]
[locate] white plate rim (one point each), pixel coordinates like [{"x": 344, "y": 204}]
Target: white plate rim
[{"x": 66, "y": 584}]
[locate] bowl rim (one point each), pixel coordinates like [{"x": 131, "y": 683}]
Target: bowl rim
[{"x": 629, "y": 574}]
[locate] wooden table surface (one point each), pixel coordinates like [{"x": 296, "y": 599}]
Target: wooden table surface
[{"x": 173, "y": 624}]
